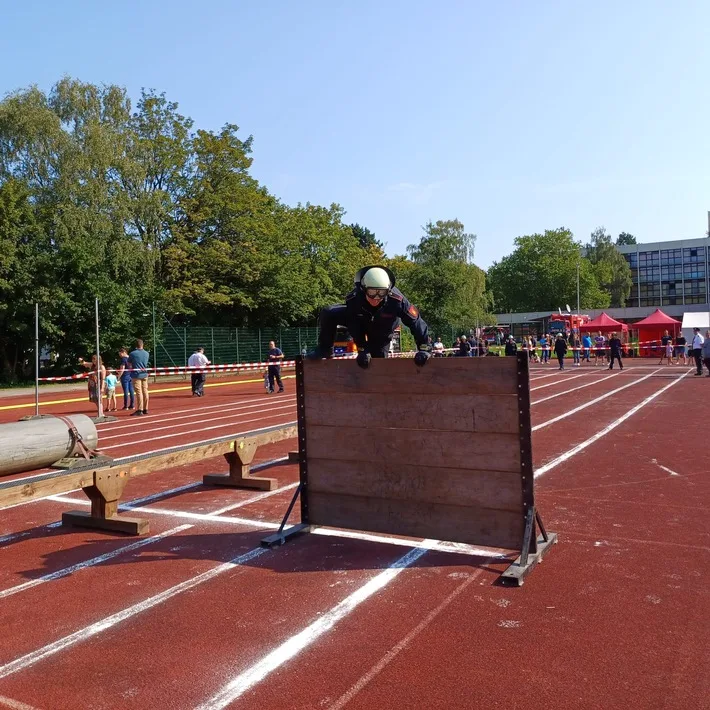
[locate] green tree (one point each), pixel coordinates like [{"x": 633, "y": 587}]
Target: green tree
[
  {"x": 366, "y": 239},
  {"x": 541, "y": 275},
  {"x": 625, "y": 238},
  {"x": 441, "y": 278},
  {"x": 611, "y": 268}
]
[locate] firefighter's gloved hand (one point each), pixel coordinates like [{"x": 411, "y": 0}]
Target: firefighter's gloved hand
[
  {"x": 421, "y": 358},
  {"x": 363, "y": 359}
]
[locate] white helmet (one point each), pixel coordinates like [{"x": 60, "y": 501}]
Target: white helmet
[{"x": 376, "y": 277}]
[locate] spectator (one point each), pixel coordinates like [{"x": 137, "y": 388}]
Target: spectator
[
  {"x": 561, "y": 350},
  {"x": 667, "y": 349},
  {"x": 697, "y": 348},
  {"x": 576, "y": 345},
  {"x": 615, "y": 352},
  {"x": 139, "y": 359},
  {"x": 95, "y": 383},
  {"x": 124, "y": 375},
  {"x": 544, "y": 348},
  {"x": 198, "y": 359},
  {"x": 464, "y": 347},
  {"x": 680, "y": 349},
  {"x": 587, "y": 345},
  {"x": 274, "y": 369},
  {"x": 438, "y": 348},
  {"x": 511, "y": 347},
  {"x": 111, "y": 381},
  {"x": 705, "y": 351},
  {"x": 599, "y": 345}
]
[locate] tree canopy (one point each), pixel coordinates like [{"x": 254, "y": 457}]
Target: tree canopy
[
  {"x": 541, "y": 275},
  {"x": 136, "y": 206}
]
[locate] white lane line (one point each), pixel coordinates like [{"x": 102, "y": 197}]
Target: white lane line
[
  {"x": 297, "y": 643},
  {"x": 557, "y": 382},
  {"x": 259, "y": 497},
  {"x": 443, "y": 546},
  {"x": 208, "y": 428},
  {"x": 344, "y": 699},
  {"x": 226, "y": 414},
  {"x": 15, "y": 704},
  {"x": 573, "y": 389},
  {"x": 108, "y": 622},
  {"x": 667, "y": 470},
  {"x": 90, "y": 563},
  {"x": 12, "y": 536},
  {"x": 569, "y": 413},
  {"x": 574, "y": 451},
  {"x": 168, "y": 448},
  {"x": 194, "y": 412}
]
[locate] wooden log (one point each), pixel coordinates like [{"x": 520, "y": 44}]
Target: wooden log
[{"x": 36, "y": 443}]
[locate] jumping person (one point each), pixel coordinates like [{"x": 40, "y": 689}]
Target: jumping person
[{"x": 372, "y": 311}]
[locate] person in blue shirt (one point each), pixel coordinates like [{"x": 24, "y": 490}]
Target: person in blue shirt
[
  {"x": 124, "y": 376},
  {"x": 111, "y": 381},
  {"x": 274, "y": 370},
  {"x": 587, "y": 344},
  {"x": 139, "y": 374}
]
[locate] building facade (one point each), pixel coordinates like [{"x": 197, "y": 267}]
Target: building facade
[{"x": 669, "y": 273}]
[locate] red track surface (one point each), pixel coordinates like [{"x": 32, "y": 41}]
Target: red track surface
[{"x": 616, "y": 617}]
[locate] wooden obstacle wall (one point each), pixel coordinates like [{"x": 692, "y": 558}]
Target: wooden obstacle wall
[{"x": 440, "y": 452}]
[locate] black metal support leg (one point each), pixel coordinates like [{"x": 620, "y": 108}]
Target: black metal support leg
[{"x": 280, "y": 537}]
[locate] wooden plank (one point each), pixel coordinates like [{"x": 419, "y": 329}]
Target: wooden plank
[
  {"x": 441, "y": 486},
  {"x": 464, "y": 375},
  {"x": 64, "y": 483},
  {"x": 448, "y": 412},
  {"x": 448, "y": 449},
  {"x": 180, "y": 458},
  {"x": 476, "y": 526}
]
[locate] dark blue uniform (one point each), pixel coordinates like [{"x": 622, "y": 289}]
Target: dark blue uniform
[{"x": 371, "y": 328}]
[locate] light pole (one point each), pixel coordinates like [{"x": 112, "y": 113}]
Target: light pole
[{"x": 577, "y": 288}]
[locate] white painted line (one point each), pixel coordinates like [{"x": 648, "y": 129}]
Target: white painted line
[
  {"x": 254, "y": 499},
  {"x": 443, "y": 546},
  {"x": 234, "y": 434},
  {"x": 66, "y": 571},
  {"x": 344, "y": 699},
  {"x": 207, "y": 428},
  {"x": 297, "y": 643},
  {"x": 590, "y": 403},
  {"x": 15, "y": 704},
  {"x": 580, "y": 447},
  {"x": 193, "y": 413},
  {"x": 108, "y": 622},
  {"x": 557, "y": 382},
  {"x": 573, "y": 389},
  {"x": 224, "y": 415},
  {"x": 667, "y": 470}
]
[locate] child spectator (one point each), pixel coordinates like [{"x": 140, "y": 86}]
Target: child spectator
[{"x": 111, "y": 381}]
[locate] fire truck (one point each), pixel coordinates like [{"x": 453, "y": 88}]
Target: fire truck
[{"x": 566, "y": 322}]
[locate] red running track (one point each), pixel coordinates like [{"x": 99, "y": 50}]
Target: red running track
[{"x": 201, "y": 616}]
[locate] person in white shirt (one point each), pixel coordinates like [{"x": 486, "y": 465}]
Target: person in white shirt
[
  {"x": 198, "y": 359},
  {"x": 696, "y": 349},
  {"x": 438, "y": 348}
]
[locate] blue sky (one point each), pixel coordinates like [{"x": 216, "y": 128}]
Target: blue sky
[{"x": 513, "y": 117}]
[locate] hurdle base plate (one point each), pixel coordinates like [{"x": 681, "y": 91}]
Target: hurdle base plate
[
  {"x": 118, "y": 523},
  {"x": 281, "y": 538},
  {"x": 74, "y": 461},
  {"x": 516, "y": 573},
  {"x": 257, "y": 482}
]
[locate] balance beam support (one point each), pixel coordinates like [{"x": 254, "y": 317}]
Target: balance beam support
[
  {"x": 104, "y": 493},
  {"x": 239, "y": 462}
]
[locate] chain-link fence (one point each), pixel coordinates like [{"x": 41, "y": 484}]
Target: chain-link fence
[{"x": 228, "y": 345}]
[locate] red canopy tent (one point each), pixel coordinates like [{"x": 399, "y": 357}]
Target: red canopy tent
[
  {"x": 652, "y": 328},
  {"x": 605, "y": 323}
]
